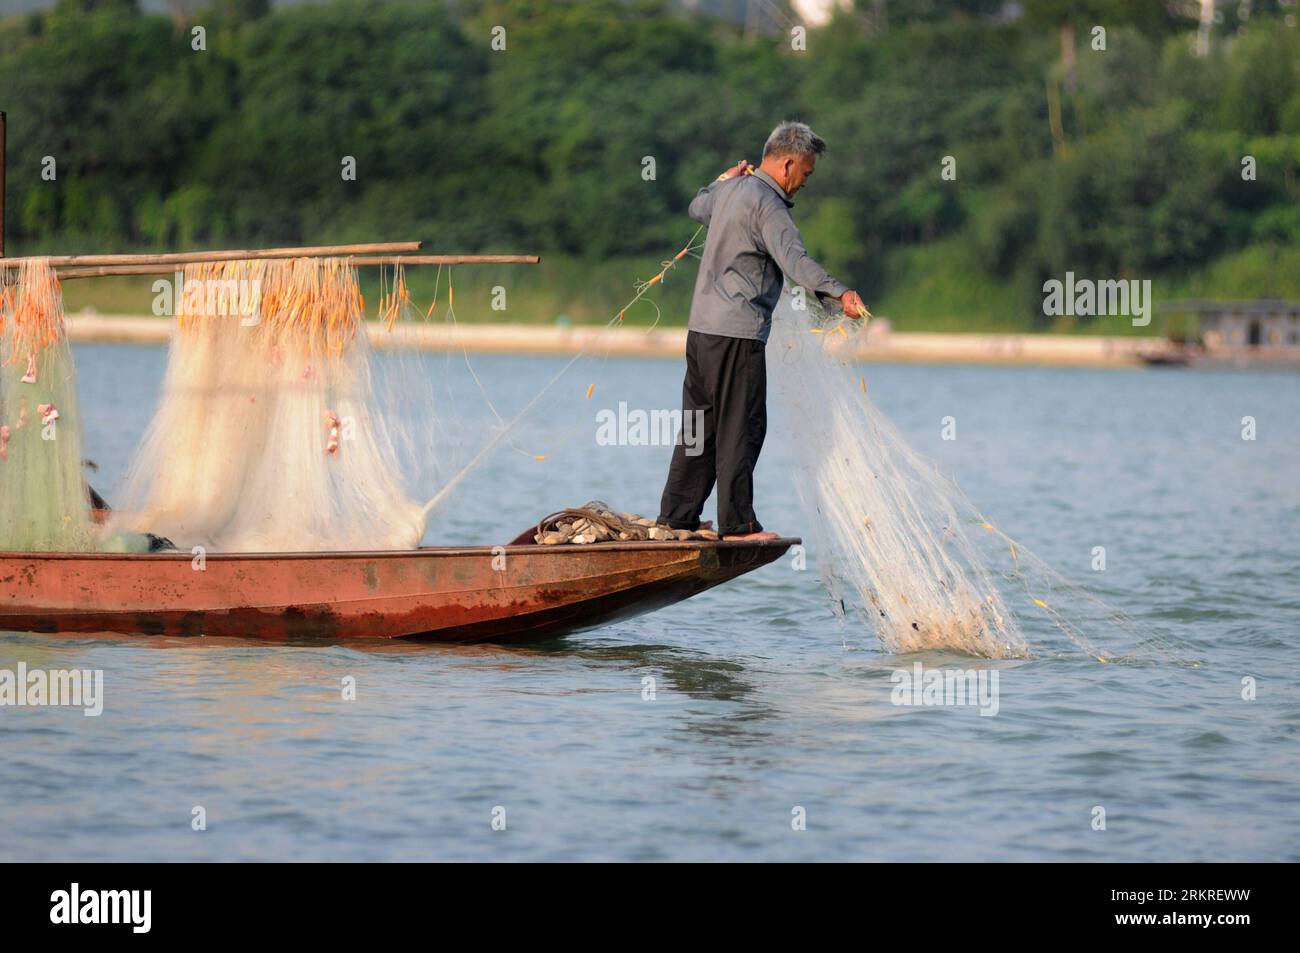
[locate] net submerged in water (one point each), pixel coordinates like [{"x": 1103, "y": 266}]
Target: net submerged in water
[
  {"x": 269, "y": 436},
  {"x": 43, "y": 500},
  {"x": 898, "y": 542},
  {"x": 891, "y": 539}
]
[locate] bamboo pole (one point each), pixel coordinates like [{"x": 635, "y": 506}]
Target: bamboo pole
[
  {"x": 446, "y": 260},
  {"x": 190, "y": 257},
  {"x": 104, "y": 271}
]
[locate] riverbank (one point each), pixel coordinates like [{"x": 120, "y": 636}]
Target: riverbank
[{"x": 881, "y": 343}]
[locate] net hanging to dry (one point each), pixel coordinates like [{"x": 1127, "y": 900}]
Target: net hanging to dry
[
  {"x": 269, "y": 436},
  {"x": 43, "y": 500}
]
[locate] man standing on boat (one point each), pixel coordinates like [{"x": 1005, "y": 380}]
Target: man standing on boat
[{"x": 752, "y": 245}]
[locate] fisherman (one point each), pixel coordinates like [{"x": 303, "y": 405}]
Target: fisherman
[{"x": 752, "y": 245}]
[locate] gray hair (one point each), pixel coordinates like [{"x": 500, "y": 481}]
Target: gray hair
[{"x": 793, "y": 139}]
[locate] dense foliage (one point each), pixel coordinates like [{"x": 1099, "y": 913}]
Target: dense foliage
[{"x": 1126, "y": 161}]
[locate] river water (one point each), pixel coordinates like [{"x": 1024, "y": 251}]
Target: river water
[{"x": 766, "y": 714}]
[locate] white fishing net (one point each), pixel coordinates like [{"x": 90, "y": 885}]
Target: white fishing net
[
  {"x": 279, "y": 430},
  {"x": 43, "y": 500},
  {"x": 270, "y": 435},
  {"x": 899, "y": 546}
]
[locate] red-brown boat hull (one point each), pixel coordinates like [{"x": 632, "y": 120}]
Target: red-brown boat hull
[{"x": 474, "y": 594}]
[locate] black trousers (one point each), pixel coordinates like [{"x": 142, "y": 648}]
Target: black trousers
[{"x": 724, "y": 409}]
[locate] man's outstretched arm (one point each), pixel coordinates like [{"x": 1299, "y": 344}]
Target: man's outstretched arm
[{"x": 783, "y": 242}]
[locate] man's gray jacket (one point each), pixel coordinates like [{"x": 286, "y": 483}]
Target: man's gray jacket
[{"x": 752, "y": 243}]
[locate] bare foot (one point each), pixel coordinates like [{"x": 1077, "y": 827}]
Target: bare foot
[{"x": 751, "y": 537}]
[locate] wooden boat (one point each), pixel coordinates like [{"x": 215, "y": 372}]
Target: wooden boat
[{"x": 474, "y": 594}]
